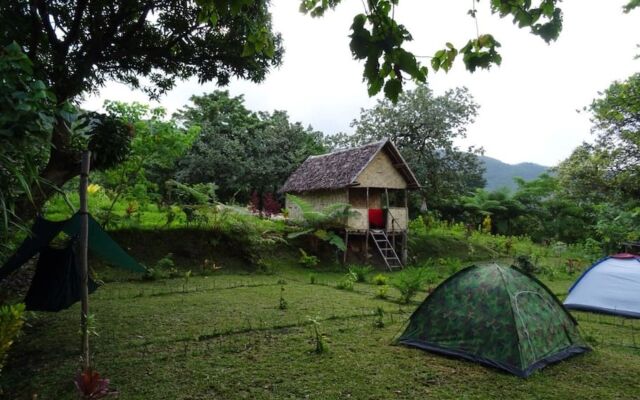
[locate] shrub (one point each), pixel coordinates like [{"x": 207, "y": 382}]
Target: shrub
[
  {"x": 559, "y": 248},
  {"x": 380, "y": 279},
  {"x": 308, "y": 260},
  {"x": 451, "y": 264},
  {"x": 283, "y": 303},
  {"x": 347, "y": 282},
  {"x": 382, "y": 292},
  {"x": 524, "y": 263},
  {"x": 409, "y": 282},
  {"x": 91, "y": 386},
  {"x": 313, "y": 279},
  {"x": 360, "y": 272},
  {"x": 379, "y": 321},
  {"x": 320, "y": 346},
  {"x": 154, "y": 274},
  {"x": 165, "y": 262},
  {"x": 11, "y": 321}
]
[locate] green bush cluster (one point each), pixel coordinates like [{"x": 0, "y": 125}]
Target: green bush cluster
[
  {"x": 12, "y": 318},
  {"x": 410, "y": 281},
  {"x": 360, "y": 272},
  {"x": 380, "y": 279}
]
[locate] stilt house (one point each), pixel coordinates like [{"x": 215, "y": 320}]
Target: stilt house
[{"x": 374, "y": 180}]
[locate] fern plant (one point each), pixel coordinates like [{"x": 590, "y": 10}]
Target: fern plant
[{"x": 320, "y": 225}]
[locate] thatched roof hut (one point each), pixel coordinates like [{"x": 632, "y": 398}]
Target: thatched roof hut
[{"x": 374, "y": 180}]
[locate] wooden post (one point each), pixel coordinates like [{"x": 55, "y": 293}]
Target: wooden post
[
  {"x": 390, "y": 217},
  {"x": 404, "y": 235},
  {"x": 82, "y": 257},
  {"x": 346, "y": 245},
  {"x": 366, "y": 236},
  {"x": 346, "y": 231}
]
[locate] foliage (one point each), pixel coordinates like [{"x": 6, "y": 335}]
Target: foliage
[
  {"x": 616, "y": 119},
  {"x": 90, "y": 42},
  {"x": 313, "y": 279},
  {"x": 360, "y": 272},
  {"x": 240, "y": 150},
  {"x": 11, "y": 320},
  {"x": 308, "y": 261},
  {"x": 379, "y": 317},
  {"x": 27, "y": 111},
  {"x": 382, "y": 292},
  {"x": 347, "y": 281},
  {"x": 75, "y": 47},
  {"x": 91, "y": 386},
  {"x": 282, "y": 304},
  {"x": 318, "y": 339},
  {"x": 166, "y": 262},
  {"x": 156, "y": 146},
  {"x": 377, "y": 38},
  {"x": 524, "y": 263},
  {"x": 380, "y": 279},
  {"x": 319, "y": 225},
  {"x": 409, "y": 282},
  {"x": 424, "y": 127}
]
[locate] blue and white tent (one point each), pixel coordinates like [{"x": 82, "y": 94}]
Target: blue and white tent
[{"x": 610, "y": 286}]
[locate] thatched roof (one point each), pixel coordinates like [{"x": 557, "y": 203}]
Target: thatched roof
[{"x": 340, "y": 169}]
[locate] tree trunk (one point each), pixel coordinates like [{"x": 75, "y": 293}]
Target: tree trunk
[{"x": 63, "y": 165}]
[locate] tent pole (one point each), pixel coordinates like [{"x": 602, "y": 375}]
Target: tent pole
[{"x": 84, "y": 241}]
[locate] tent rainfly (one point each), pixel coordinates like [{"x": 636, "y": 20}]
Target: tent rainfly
[
  {"x": 495, "y": 316},
  {"x": 56, "y": 283},
  {"x": 610, "y": 286}
]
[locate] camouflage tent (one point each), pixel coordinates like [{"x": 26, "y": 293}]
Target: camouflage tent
[{"x": 495, "y": 316}]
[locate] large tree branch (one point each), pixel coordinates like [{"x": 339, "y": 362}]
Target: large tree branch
[
  {"x": 43, "y": 11},
  {"x": 74, "y": 31}
]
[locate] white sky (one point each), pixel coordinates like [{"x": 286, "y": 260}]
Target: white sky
[{"x": 528, "y": 104}]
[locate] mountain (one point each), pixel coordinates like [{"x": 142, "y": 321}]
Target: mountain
[{"x": 499, "y": 174}]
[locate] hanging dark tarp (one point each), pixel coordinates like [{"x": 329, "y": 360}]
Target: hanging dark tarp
[
  {"x": 56, "y": 283},
  {"x": 44, "y": 231}
]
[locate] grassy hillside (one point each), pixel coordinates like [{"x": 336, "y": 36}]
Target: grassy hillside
[
  {"x": 499, "y": 174},
  {"x": 225, "y": 336}
]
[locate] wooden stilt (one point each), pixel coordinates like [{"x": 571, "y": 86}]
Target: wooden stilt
[
  {"x": 366, "y": 247},
  {"x": 405, "y": 251},
  {"x": 366, "y": 236},
  {"x": 346, "y": 244}
]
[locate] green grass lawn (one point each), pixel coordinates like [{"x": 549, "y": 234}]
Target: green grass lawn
[{"x": 224, "y": 337}]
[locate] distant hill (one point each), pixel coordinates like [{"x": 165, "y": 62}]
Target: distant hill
[{"x": 500, "y": 174}]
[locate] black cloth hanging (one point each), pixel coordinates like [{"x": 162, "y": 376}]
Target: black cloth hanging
[{"x": 56, "y": 283}]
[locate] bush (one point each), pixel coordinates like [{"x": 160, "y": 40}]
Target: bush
[
  {"x": 524, "y": 263},
  {"x": 308, "y": 260},
  {"x": 11, "y": 321},
  {"x": 347, "y": 282},
  {"x": 154, "y": 274},
  {"x": 409, "y": 282},
  {"x": 380, "y": 279},
  {"x": 451, "y": 264},
  {"x": 382, "y": 292},
  {"x": 360, "y": 272},
  {"x": 313, "y": 279}
]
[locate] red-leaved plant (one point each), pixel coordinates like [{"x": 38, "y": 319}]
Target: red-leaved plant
[{"x": 91, "y": 386}]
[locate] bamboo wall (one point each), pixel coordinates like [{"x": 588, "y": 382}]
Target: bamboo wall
[
  {"x": 358, "y": 197},
  {"x": 380, "y": 173},
  {"x": 318, "y": 200}
]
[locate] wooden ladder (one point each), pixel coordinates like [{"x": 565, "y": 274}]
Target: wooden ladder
[{"x": 385, "y": 248}]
